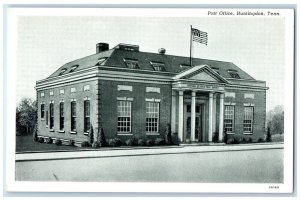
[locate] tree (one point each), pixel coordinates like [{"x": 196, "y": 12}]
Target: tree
[
  {"x": 275, "y": 120},
  {"x": 26, "y": 115}
]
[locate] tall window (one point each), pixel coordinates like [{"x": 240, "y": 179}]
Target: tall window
[
  {"x": 152, "y": 116},
  {"x": 61, "y": 116},
  {"x": 51, "y": 116},
  {"x": 73, "y": 116},
  {"x": 248, "y": 119},
  {"x": 131, "y": 63},
  {"x": 47, "y": 116},
  {"x": 124, "y": 116},
  {"x": 42, "y": 111},
  {"x": 158, "y": 66},
  {"x": 87, "y": 123},
  {"x": 229, "y": 118}
]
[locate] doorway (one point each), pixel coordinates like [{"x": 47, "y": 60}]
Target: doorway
[{"x": 198, "y": 123}]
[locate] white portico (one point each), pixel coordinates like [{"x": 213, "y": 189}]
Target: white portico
[{"x": 198, "y": 104}]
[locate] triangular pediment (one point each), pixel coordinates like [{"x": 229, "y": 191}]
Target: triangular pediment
[{"x": 201, "y": 73}]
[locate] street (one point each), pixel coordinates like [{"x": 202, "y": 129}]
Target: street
[{"x": 241, "y": 166}]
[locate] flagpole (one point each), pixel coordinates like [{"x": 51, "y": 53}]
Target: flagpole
[{"x": 191, "y": 44}]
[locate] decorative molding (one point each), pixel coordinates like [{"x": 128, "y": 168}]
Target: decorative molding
[
  {"x": 62, "y": 101},
  {"x": 124, "y": 99},
  {"x": 229, "y": 103},
  {"x": 61, "y": 91},
  {"x": 251, "y": 96},
  {"x": 73, "y": 99},
  {"x": 73, "y": 89},
  {"x": 124, "y": 88},
  {"x": 87, "y": 98},
  {"x": 42, "y": 94},
  {"x": 51, "y": 93},
  {"x": 86, "y": 87},
  {"x": 249, "y": 104},
  {"x": 52, "y": 101},
  {"x": 152, "y": 100},
  {"x": 229, "y": 94},
  {"x": 153, "y": 89}
]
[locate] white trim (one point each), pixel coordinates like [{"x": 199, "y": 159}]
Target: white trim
[
  {"x": 121, "y": 98},
  {"x": 229, "y": 94},
  {"x": 73, "y": 99},
  {"x": 51, "y": 101},
  {"x": 124, "y": 133},
  {"x": 230, "y": 133},
  {"x": 248, "y": 133},
  {"x": 124, "y": 88},
  {"x": 61, "y": 91},
  {"x": 73, "y": 89},
  {"x": 61, "y": 131},
  {"x": 249, "y": 104},
  {"x": 86, "y": 87},
  {"x": 62, "y": 101},
  {"x": 229, "y": 103},
  {"x": 42, "y": 94},
  {"x": 154, "y": 133},
  {"x": 51, "y": 93},
  {"x": 153, "y": 89},
  {"x": 87, "y": 98},
  {"x": 248, "y": 95}
]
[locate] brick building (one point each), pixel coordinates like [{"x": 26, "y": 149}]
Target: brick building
[{"x": 130, "y": 93}]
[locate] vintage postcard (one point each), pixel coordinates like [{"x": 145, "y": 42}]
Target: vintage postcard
[{"x": 149, "y": 100}]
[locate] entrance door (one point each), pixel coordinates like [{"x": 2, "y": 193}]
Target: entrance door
[{"x": 198, "y": 123}]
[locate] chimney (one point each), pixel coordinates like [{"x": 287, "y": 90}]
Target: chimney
[
  {"x": 161, "y": 50},
  {"x": 100, "y": 47}
]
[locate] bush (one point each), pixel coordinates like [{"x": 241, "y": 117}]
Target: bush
[
  {"x": 118, "y": 142},
  {"x": 232, "y": 141},
  {"x": 141, "y": 142},
  {"x": 168, "y": 136},
  {"x": 268, "y": 137},
  {"x": 40, "y": 139},
  {"x": 91, "y": 135},
  {"x": 129, "y": 142},
  {"x": 175, "y": 139},
  {"x": 149, "y": 142},
  {"x": 58, "y": 142},
  {"x": 215, "y": 137},
  {"x": 260, "y": 140},
  {"x": 111, "y": 142},
  {"x": 159, "y": 141},
  {"x": 249, "y": 140},
  {"x": 35, "y": 131},
  {"x": 71, "y": 142},
  {"x": 101, "y": 138},
  {"x": 95, "y": 144},
  {"x": 48, "y": 140},
  {"x": 244, "y": 140},
  {"x": 85, "y": 144}
]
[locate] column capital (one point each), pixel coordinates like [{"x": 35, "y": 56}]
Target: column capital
[
  {"x": 180, "y": 93},
  {"x": 193, "y": 93},
  {"x": 173, "y": 92},
  {"x": 222, "y": 95},
  {"x": 211, "y": 95}
]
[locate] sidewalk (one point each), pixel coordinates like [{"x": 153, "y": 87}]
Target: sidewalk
[{"x": 141, "y": 151}]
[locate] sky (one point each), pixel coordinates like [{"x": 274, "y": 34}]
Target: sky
[{"x": 254, "y": 44}]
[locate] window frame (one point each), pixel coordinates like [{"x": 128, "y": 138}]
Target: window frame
[
  {"x": 152, "y": 108},
  {"x": 43, "y": 111},
  {"x": 251, "y": 120},
  {"x": 73, "y": 116},
  {"x": 129, "y": 62},
  {"x": 86, "y": 116},
  {"x": 124, "y": 122},
  {"x": 51, "y": 116},
  {"x": 233, "y": 119},
  {"x": 156, "y": 65},
  {"x": 61, "y": 116}
]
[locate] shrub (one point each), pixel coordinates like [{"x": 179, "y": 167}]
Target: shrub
[
  {"x": 260, "y": 140},
  {"x": 71, "y": 142},
  {"x": 129, "y": 142},
  {"x": 101, "y": 138},
  {"x": 141, "y": 142},
  {"x": 149, "y": 142},
  {"x": 175, "y": 139},
  {"x": 91, "y": 135},
  {"x": 58, "y": 142},
  {"x": 40, "y": 139},
  {"x": 48, "y": 140},
  {"x": 159, "y": 141},
  {"x": 232, "y": 141},
  {"x": 268, "y": 137},
  {"x": 95, "y": 144},
  {"x": 35, "y": 137},
  {"x": 215, "y": 137},
  {"x": 249, "y": 140},
  {"x": 225, "y": 136},
  {"x": 244, "y": 140},
  {"x": 168, "y": 136},
  {"x": 118, "y": 142},
  {"x": 85, "y": 144}
]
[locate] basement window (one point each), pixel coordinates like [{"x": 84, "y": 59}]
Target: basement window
[
  {"x": 73, "y": 68},
  {"x": 62, "y": 71},
  {"x": 158, "y": 66},
  {"x": 131, "y": 63},
  {"x": 234, "y": 74}
]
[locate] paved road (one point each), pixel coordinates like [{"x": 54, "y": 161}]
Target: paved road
[{"x": 249, "y": 166}]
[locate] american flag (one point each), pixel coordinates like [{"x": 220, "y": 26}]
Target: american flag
[{"x": 199, "y": 36}]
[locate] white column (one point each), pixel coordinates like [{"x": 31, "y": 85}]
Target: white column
[
  {"x": 173, "y": 115},
  {"x": 210, "y": 116},
  {"x": 214, "y": 122},
  {"x": 221, "y": 117},
  {"x": 180, "y": 116},
  {"x": 193, "y": 115}
]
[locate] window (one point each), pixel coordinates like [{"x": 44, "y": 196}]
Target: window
[
  {"x": 152, "y": 116},
  {"x": 216, "y": 69},
  {"x": 51, "y": 116},
  {"x": 87, "y": 123},
  {"x": 47, "y": 118},
  {"x": 61, "y": 116},
  {"x": 86, "y": 88},
  {"x": 248, "y": 119},
  {"x": 101, "y": 60},
  {"x": 73, "y": 116},
  {"x": 42, "y": 94},
  {"x": 124, "y": 116},
  {"x": 73, "y": 89},
  {"x": 73, "y": 68},
  {"x": 157, "y": 66},
  {"x": 62, "y": 71},
  {"x": 42, "y": 111},
  {"x": 61, "y": 91},
  {"x": 132, "y": 64},
  {"x": 229, "y": 118},
  {"x": 234, "y": 74}
]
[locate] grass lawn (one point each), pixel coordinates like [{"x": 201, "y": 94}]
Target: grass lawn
[{"x": 25, "y": 143}]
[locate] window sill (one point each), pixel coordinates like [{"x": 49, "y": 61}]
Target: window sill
[
  {"x": 248, "y": 133},
  {"x": 51, "y": 130},
  {"x": 230, "y": 133},
  {"x": 73, "y": 132},
  {"x": 61, "y": 131},
  {"x": 46, "y": 126},
  {"x": 124, "y": 134},
  {"x": 85, "y": 133},
  {"x": 154, "y": 133},
  {"x": 42, "y": 119}
]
